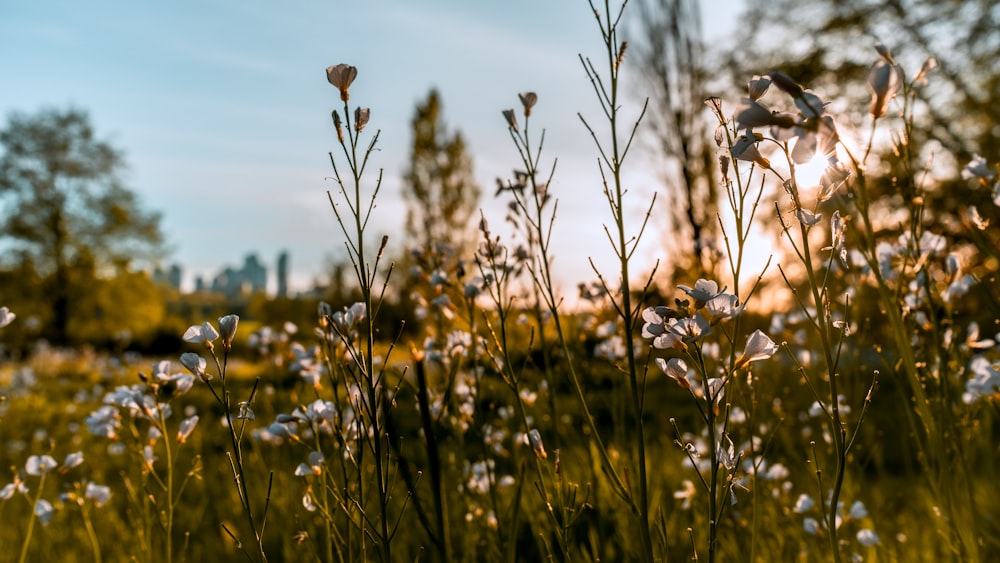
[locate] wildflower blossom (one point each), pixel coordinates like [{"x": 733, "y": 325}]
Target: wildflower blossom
[
  {"x": 675, "y": 369},
  {"x": 535, "y": 439},
  {"x": 196, "y": 365},
  {"x": 105, "y": 422},
  {"x": 977, "y": 220},
  {"x": 685, "y": 494},
  {"x": 528, "y": 99},
  {"x": 308, "y": 502},
  {"x": 100, "y": 494},
  {"x": 785, "y": 83},
  {"x": 342, "y": 76},
  {"x": 811, "y": 526},
  {"x": 758, "y": 86},
  {"x": 723, "y": 307},
  {"x": 867, "y": 537},
  {"x": 186, "y": 428},
  {"x": 201, "y": 334},
  {"x": 313, "y": 466},
  {"x": 10, "y": 489},
  {"x": 808, "y": 218},
  {"x": 168, "y": 385},
  {"x": 803, "y": 503},
  {"x": 857, "y": 510},
  {"x": 985, "y": 380},
  {"x": 655, "y": 320},
  {"x": 72, "y": 460},
  {"x": 978, "y": 169},
  {"x": 884, "y": 81},
  {"x": 758, "y": 347},
  {"x": 755, "y": 114},
  {"x": 810, "y": 104},
  {"x": 37, "y": 465},
  {"x": 745, "y": 148},
  {"x": 44, "y": 511},
  {"x": 6, "y": 317}
]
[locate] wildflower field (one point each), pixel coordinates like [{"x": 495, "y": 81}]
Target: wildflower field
[{"x": 838, "y": 404}]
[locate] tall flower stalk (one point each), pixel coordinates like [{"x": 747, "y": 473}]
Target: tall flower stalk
[{"x": 373, "y": 398}]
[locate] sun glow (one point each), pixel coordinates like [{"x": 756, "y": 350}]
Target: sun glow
[{"x": 807, "y": 175}]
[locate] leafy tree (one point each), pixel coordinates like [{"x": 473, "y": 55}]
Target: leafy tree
[
  {"x": 67, "y": 211},
  {"x": 671, "y": 52},
  {"x": 438, "y": 186}
]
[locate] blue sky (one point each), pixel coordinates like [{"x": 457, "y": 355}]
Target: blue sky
[{"x": 222, "y": 106}]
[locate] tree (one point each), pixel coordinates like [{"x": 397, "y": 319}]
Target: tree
[
  {"x": 672, "y": 56},
  {"x": 67, "y": 211},
  {"x": 438, "y": 186}
]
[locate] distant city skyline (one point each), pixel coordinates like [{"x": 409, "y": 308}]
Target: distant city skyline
[
  {"x": 256, "y": 275},
  {"x": 223, "y": 110}
]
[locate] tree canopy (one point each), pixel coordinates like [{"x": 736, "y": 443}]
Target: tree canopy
[{"x": 67, "y": 213}]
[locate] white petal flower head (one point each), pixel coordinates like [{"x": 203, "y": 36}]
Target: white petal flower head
[
  {"x": 9, "y": 489},
  {"x": 808, "y": 218},
  {"x": 978, "y": 169},
  {"x": 44, "y": 511},
  {"x": 186, "y": 428},
  {"x": 702, "y": 291},
  {"x": 745, "y": 148},
  {"x": 675, "y": 369},
  {"x": 195, "y": 364},
  {"x": 758, "y": 86},
  {"x": 810, "y": 104},
  {"x": 811, "y": 526},
  {"x": 803, "y": 504},
  {"x": 857, "y": 510},
  {"x": 39, "y": 464},
  {"x": 867, "y": 537},
  {"x": 755, "y": 114},
  {"x": 201, "y": 334},
  {"x": 72, "y": 460},
  {"x": 341, "y": 76},
  {"x": 308, "y": 502},
  {"x": 686, "y": 493},
  {"x": 100, "y": 494},
  {"x": 6, "y": 317},
  {"x": 723, "y": 307},
  {"x": 759, "y": 347},
  {"x": 884, "y": 81}
]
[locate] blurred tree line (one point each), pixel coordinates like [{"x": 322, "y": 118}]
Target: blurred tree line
[
  {"x": 77, "y": 247},
  {"x": 74, "y": 235}
]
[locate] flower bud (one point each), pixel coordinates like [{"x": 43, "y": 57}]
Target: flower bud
[
  {"x": 227, "y": 329},
  {"x": 361, "y": 118},
  {"x": 884, "y": 80},
  {"x": 336, "y": 123},
  {"x": 528, "y": 99},
  {"x": 535, "y": 439},
  {"x": 508, "y": 114}
]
